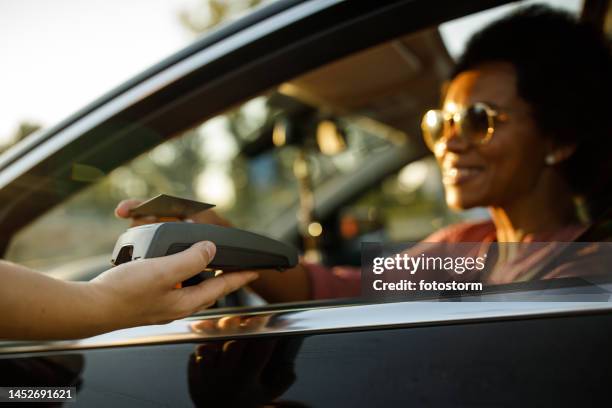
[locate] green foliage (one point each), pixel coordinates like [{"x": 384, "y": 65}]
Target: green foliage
[
  {"x": 24, "y": 129},
  {"x": 209, "y": 13}
]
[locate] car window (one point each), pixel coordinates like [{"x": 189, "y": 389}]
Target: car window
[
  {"x": 245, "y": 160},
  {"x": 230, "y": 160}
]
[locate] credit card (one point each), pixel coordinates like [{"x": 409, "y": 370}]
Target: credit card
[{"x": 165, "y": 205}]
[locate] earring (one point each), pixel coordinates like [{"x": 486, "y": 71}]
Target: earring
[{"x": 550, "y": 159}]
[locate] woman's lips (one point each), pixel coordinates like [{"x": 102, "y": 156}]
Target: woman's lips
[{"x": 456, "y": 175}]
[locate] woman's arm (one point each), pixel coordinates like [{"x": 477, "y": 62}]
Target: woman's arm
[
  {"x": 291, "y": 285},
  {"x": 36, "y": 306},
  {"x": 303, "y": 282}
]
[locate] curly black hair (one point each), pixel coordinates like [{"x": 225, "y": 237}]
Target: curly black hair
[{"x": 564, "y": 70}]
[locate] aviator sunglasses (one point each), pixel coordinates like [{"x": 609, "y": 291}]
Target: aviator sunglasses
[{"x": 475, "y": 124}]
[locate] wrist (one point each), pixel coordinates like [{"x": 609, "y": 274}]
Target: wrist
[{"x": 105, "y": 312}]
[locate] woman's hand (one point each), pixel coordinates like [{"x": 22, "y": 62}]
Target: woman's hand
[
  {"x": 291, "y": 285},
  {"x": 143, "y": 291},
  {"x": 204, "y": 217},
  {"x": 231, "y": 324}
]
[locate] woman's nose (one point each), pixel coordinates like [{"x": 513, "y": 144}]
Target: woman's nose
[{"x": 453, "y": 141}]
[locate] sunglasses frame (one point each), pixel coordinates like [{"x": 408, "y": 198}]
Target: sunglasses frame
[{"x": 456, "y": 119}]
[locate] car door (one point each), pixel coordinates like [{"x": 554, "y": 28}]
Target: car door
[{"x": 421, "y": 353}]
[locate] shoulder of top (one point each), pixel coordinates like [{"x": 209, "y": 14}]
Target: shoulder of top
[{"x": 467, "y": 231}]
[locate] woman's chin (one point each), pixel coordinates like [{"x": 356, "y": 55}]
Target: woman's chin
[{"x": 459, "y": 201}]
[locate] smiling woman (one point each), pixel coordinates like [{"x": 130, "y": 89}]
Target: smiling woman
[
  {"x": 524, "y": 132},
  {"x": 544, "y": 140},
  {"x": 497, "y": 163}
]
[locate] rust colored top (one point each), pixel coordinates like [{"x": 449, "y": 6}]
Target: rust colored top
[{"x": 531, "y": 260}]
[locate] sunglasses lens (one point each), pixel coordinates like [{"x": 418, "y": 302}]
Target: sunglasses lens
[
  {"x": 432, "y": 126},
  {"x": 475, "y": 123}
]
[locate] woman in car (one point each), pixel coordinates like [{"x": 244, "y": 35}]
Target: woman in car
[{"x": 523, "y": 130}]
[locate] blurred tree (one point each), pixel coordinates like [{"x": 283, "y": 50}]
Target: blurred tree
[
  {"x": 209, "y": 13},
  {"x": 148, "y": 175},
  {"x": 23, "y": 130}
]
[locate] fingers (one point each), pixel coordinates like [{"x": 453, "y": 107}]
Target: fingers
[
  {"x": 230, "y": 324},
  {"x": 210, "y": 217},
  {"x": 185, "y": 264},
  {"x": 123, "y": 211},
  {"x": 212, "y": 289},
  {"x": 123, "y": 208},
  {"x": 204, "y": 326},
  {"x": 144, "y": 220}
]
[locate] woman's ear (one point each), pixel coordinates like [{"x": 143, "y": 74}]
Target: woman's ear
[{"x": 559, "y": 154}]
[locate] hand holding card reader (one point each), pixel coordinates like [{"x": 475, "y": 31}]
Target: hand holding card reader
[{"x": 236, "y": 249}]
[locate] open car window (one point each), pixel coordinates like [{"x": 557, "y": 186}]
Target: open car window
[
  {"x": 230, "y": 161},
  {"x": 245, "y": 160}
]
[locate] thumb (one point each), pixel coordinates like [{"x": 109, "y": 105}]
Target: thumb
[
  {"x": 210, "y": 290},
  {"x": 123, "y": 208},
  {"x": 187, "y": 263}
]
